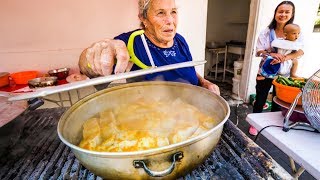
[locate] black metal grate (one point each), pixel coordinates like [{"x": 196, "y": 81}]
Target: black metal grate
[{"x": 37, "y": 153}]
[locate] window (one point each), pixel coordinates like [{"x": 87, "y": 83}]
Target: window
[{"x": 317, "y": 22}]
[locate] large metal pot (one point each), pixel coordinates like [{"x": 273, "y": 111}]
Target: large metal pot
[{"x": 168, "y": 162}]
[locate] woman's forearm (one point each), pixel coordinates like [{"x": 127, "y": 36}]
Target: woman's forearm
[
  {"x": 208, "y": 85},
  {"x": 295, "y": 55},
  {"x": 261, "y": 53},
  {"x": 201, "y": 79}
]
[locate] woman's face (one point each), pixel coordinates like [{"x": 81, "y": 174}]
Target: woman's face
[
  {"x": 161, "y": 22},
  {"x": 283, "y": 13}
]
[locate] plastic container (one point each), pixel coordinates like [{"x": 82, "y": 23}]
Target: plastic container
[
  {"x": 235, "y": 85},
  {"x": 287, "y": 93},
  {"x": 268, "y": 70},
  {"x": 24, "y": 76},
  {"x": 4, "y": 79},
  {"x": 237, "y": 65}
]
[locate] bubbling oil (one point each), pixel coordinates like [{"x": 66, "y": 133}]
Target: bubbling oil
[{"x": 144, "y": 124}]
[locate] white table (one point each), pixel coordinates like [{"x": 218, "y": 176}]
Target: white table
[
  {"x": 233, "y": 49},
  {"x": 302, "y": 147},
  {"x": 59, "y": 102},
  {"x": 215, "y": 55}
]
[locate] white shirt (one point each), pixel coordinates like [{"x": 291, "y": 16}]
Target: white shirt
[
  {"x": 263, "y": 42},
  {"x": 285, "y": 47}
]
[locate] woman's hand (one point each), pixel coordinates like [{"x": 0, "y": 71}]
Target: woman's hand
[
  {"x": 101, "y": 56},
  {"x": 208, "y": 85},
  {"x": 211, "y": 87},
  {"x": 277, "y": 58}
]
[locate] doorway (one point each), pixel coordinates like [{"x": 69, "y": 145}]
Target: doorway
[{"x": 230, "y": 22}]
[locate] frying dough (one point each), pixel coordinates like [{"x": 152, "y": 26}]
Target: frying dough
[{"x": 144, "y": 124}]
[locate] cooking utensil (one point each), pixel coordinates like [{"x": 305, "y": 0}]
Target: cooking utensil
[
  {"x": 100, "y": 80},
  {"x": 43, "y": 82},
  {"x": 61, "y": 73},
  {"x": 168, "y": 162}
]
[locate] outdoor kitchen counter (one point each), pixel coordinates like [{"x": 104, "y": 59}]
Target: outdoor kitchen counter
[{"x": 36, "y": 152}]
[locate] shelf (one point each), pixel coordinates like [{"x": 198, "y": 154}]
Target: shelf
[
  {"x": 217, "y": 50},
  {"x": 230, "y": 71},
  {"x": 236, "y": 50},
  {"x": 213, "y": 70},
  {"x": 214, "y": 62}
]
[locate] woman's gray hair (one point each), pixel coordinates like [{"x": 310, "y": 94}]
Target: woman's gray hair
[{"x": 143, "y": 9}]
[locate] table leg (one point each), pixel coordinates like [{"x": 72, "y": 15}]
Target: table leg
[
  {"x": 296, "y": 174},
  {"x": 225, "y": 64},
  {"x": 60, "y": 98},
  {"x": 69, "y": 98},
  {"x": 58, "y": 103},
  {"x": 78, "y": 94},
  {"x": 217, "y": 62}
]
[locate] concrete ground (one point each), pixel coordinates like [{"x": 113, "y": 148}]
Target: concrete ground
[{"x": 238, "y": 116}]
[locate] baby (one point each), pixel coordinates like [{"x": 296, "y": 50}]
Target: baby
[{"x": 286, "y": 46}]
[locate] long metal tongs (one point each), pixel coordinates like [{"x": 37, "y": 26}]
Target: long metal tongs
[
  {"x": 101, "y": 80},
  {"x": 105, "y": 79}
]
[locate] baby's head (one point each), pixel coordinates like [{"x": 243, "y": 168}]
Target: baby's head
[{"x": 291, "y": 32}]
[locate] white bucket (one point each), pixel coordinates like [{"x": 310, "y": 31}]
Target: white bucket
[
  {"x": 235, "y": 86},
  {"x": 237, "y": 69}
]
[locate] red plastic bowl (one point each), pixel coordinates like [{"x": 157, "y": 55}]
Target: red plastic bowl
[
  {"x": 287, "y": 93},
  {"x": 24, "y": 76},
  {"x": 4, "y": 79}
]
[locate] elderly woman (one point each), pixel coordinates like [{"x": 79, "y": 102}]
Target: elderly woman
[{"x": 159, "y": 20}]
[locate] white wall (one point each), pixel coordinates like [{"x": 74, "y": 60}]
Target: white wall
[
  {"x": 193, "y": 25},
  {"x": 42, "y": 35},
  {"x": 227, "y": 20},
  {"x": 305, "y": 16}
]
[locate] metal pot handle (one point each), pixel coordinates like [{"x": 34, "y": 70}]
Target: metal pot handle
[{"x": 141, "y": 164}]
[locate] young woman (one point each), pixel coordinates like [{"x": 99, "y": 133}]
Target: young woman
[{"x": 283, "y": 15}]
